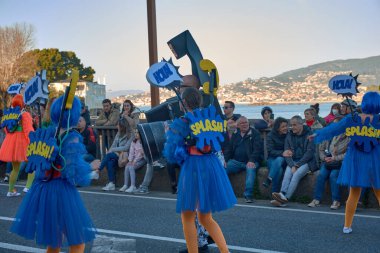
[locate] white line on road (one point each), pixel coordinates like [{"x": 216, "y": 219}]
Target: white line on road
[
  {"x": 21, "y": 248},
  {"x": 237, "y": 205},
  {"x": 153, "y": 237}
]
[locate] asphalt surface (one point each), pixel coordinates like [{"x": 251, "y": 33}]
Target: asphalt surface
[{"x": 152, "y": 222}]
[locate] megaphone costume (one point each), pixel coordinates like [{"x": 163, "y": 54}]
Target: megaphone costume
[
  {"x": 52, "y": 212},
  {"x": 17, "y": 124},
  {"x": 361, "y": 165}
]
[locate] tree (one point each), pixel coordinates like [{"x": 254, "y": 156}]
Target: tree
[
  {"x": 58, "y": 64},
  {"x": 15, "y": 40}
]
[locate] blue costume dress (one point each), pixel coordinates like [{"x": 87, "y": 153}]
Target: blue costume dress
[
  {"x": 361, "y": 165},
  {"x": 52, "y": 211},
  {"x": 203, "y": 182}
]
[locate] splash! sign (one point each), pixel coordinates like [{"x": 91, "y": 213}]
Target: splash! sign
[
  {"x": 164, "y": 75},
  {"x": 11, "y": 118},
  {"x": 346, "y": 85},
  {"x": 208, "y": 127}
]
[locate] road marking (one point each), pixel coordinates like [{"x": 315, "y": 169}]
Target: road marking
[
  {"x": 157, "y": 238},
  {"x": 237, "y": 205},
  {"x": 21, "y": 248}
]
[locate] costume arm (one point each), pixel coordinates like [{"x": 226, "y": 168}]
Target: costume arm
[
  {"x": 332, "y": 130},
  {"x": 174, "y": 149}
]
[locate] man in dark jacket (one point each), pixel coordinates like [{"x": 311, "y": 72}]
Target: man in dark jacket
[
  {"x": 244, "y": 152},
  {"x": 85, "y": 114},
  {"x": 300, "y": 159}
]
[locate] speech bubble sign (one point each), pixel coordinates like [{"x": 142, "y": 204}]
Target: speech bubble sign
[
  {"x": 35, "y": 90},
  {"x": 344, "y": 84},
  {"x": 14, "y": 88},
  {"x": 164, "y": 75}
]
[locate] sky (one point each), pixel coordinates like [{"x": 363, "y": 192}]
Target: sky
[{"x": 244, "y": 38}]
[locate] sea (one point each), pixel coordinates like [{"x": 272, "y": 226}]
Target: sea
[{"x": 279, "y": 110}]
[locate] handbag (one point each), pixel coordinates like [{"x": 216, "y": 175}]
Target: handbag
[{"x": 123, "y": 159}]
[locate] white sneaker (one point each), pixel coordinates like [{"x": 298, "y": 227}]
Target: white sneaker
[
  {"x": 131, "y": 189},
  {"x": 122, "y": 189},
  {"x": 109, "y": 187},
  {"x": 314, "y": 203},
  {"x": 347, "y": 230},
  {"x": 94, "y": 175},
  {"x": 13, "y": 194},
  {"x": 25, "y": 190}
]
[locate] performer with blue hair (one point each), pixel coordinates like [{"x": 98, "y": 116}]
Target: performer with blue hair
[
  {"x": 361, "y": 166},
  {"x": 203, "y": 185},
  {"x": 52, "y": 212}
]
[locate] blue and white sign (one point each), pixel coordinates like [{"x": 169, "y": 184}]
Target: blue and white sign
[
  {"x": 164, "y": 75},
  {"x": 14, "y": 88},
  {"x": 36, "y": 89},
  {"x": 344, "y": 84}
]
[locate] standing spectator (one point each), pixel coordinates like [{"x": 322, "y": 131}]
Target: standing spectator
[
  {"x": 317, "y": 117},
  {"x": 334, "y": 112},
  {"x": 89, "y": 139},
  {"x": 310, "y": 119},
  {"x": 331, "y": 154},
  {"x": 268, "y": 116},
  {"x": 244, "y": 153},
  {"x": 229, "y": 108},
  {"x": 135, "y": 161},
  {"x": 347, "y": 105},
  {"x": 275, "y": 146},
  {"x": 85, "y": 113},
  {"x": 299, "y": 157},
  {"x": 121, "y": 143},
  {"x": 109, "y": 116},
  {"x": 131, "y": 115}
]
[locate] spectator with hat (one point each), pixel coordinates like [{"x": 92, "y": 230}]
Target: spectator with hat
[{"x": 348, "y": 106}]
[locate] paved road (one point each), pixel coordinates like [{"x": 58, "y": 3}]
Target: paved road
[{"x": 151, "y": 220}]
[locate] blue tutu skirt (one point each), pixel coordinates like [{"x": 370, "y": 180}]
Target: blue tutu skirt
[
  {"x": 204, "y": 185},
  {"x": 53, "y": 213},
  {"x": 361, "y": 169}
]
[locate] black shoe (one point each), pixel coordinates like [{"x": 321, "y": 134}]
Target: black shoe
[
  {"x": 174, "y": 189},
  {"x": 267, "y": 182},
  {"x": 203, "y": 249},
  {"x": 248, "y": 200}
]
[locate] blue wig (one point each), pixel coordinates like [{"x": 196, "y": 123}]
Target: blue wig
[
  {"x": 74, "y": 113},
  {"x": 371, "y": 103}
]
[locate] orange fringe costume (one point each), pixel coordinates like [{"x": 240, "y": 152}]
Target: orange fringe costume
[{"x": 16, "y": 143}]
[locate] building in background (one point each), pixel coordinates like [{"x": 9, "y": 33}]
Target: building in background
[{"x": 91, "y": 93}]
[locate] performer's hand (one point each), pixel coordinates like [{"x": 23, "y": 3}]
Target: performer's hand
[{"x": 251, "y": 165}]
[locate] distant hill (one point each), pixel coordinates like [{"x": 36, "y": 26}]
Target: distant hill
[
  {"x": 364, "y": 67},
  {"x": 118, "y": 93}
]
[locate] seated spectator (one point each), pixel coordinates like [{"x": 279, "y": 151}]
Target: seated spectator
[
  {"x": 109, "y": 116},
  {"x": 267, "y": 114},
  {"x": 121, "y": 143},
  {"x": 85, "y": 113},
  {"x": 317, "y": 117},
  {"x": 334, "y": 112},
  {"x": 310, "y": 120},
  {"x": 348, "y": 106},
  {"x": 299, "y": 157},
  {"x": 244, "y": 153},
  {"x": 331, "y": 154},
  {"x": 136, "y": 160},
  {"x": 231, "y": 129},
  {"x": 89, "y": 139},
  {"x": 229, "y": 108},
  {"x": 275, "y": 147},
  {"x": 132, "y": 116}
]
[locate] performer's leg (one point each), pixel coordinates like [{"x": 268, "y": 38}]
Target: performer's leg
[
  {"x": 214, "y": 230},
  {"x": 52, "y": 250},
  {"x": 77, "y": 248},
  {"x": 377, "y": 194},
  {"x": 14, "y": 175},
  {"x": 30, "y": 180},
  {"x": 189, "y": 231},
  {"x": 351, "y": 204}
]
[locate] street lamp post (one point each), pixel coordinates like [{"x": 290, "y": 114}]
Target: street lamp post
[{"x": 152, "y": 38}]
